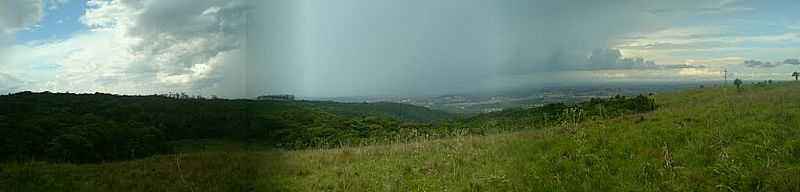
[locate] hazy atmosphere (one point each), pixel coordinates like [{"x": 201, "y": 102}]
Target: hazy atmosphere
[
  {"x": 317, "y": 48},
  {"x": 399, "y": 95}
]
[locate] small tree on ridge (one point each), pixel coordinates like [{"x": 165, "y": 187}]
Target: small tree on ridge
[{"x": 738, "y": 83}]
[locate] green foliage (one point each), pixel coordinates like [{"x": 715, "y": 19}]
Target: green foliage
[
  {"x": 698, "y": 140},
  {"x": 98, "y": 127},
  {"x": 738, "y": 83},
  {"x": 85, "y": 128},
  {"x": 190, "y": 172},
  {"x": 559, "y": 113}
]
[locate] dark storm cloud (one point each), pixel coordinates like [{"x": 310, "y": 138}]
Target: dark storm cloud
[
  {"x": 552, "y": 35},
  {"x": 536, "y": 32},
  {"x": 275, "y": 48},
  {"x": 605, "y": 58},
  {"x": 762, "y": 64},
  {"x": 608, "y": 59},
  {"x": 791, "y": 61},
  {"x": 768, "y": 64},
  {"x": 357, "y": 47}
]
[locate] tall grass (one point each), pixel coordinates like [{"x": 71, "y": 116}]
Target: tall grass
[
  {"x": 208, "y": 171},
  {"x": 711, "y": 139}
]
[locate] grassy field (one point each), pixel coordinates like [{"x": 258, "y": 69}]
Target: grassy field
[{"x": 710, "y": 139}]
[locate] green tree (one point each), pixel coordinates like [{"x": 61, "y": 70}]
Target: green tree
[
  {"x": 796, "y": 75},
  {"x": 738, "y": 83}
]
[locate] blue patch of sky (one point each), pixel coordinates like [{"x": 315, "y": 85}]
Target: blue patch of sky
[{"x": 58, "y": 23}]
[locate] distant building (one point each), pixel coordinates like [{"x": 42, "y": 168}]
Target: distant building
[{"x": 276, "y": 97}]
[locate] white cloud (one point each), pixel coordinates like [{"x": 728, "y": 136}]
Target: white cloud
[
  {"x": 141, "y": 47},
  {"x": 716, "y": 61},
  {"x": 657, "y": 75},
  {"x": 74, "y": 63},
  {"x": 710, "y": 45},
  {"x": 698, "y": 72}
]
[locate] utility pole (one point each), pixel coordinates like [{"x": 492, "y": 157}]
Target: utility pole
[{"x": 726, "y": 77}]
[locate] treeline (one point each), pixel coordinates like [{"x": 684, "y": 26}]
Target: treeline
[
  {"x": 85, "y": 128},
  {"x": 102, "y": 127},
  {"x": 560, "y": 113}
]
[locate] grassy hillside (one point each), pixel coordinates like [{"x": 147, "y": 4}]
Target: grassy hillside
[
  {"x": 705, "y": 139},
  {"x": 710, "y": 139}
]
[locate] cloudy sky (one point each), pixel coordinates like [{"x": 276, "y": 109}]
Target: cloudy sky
[{"x": 322, "y": 48}]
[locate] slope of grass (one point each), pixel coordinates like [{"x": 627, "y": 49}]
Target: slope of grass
[
  {"x": 709, "y": 139},
  {"x": 706, "y": 140},
  {"x": 211, "y": 171}
]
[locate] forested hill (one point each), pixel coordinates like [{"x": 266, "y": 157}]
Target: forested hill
[
  {"x": 84, "y": 128},
  {"x": 94, "y": 127},
  {"x": 403, "y": 112}
]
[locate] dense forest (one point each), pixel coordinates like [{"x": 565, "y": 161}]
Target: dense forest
[{"x": 84, "y": 128}]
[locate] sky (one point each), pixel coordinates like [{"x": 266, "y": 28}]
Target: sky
[{"x": 321, "y": 48}]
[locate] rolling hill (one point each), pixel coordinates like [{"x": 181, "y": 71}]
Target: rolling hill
[
  {"x": 710, "y": 139},
  {"x": 104, "y": 127}
]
